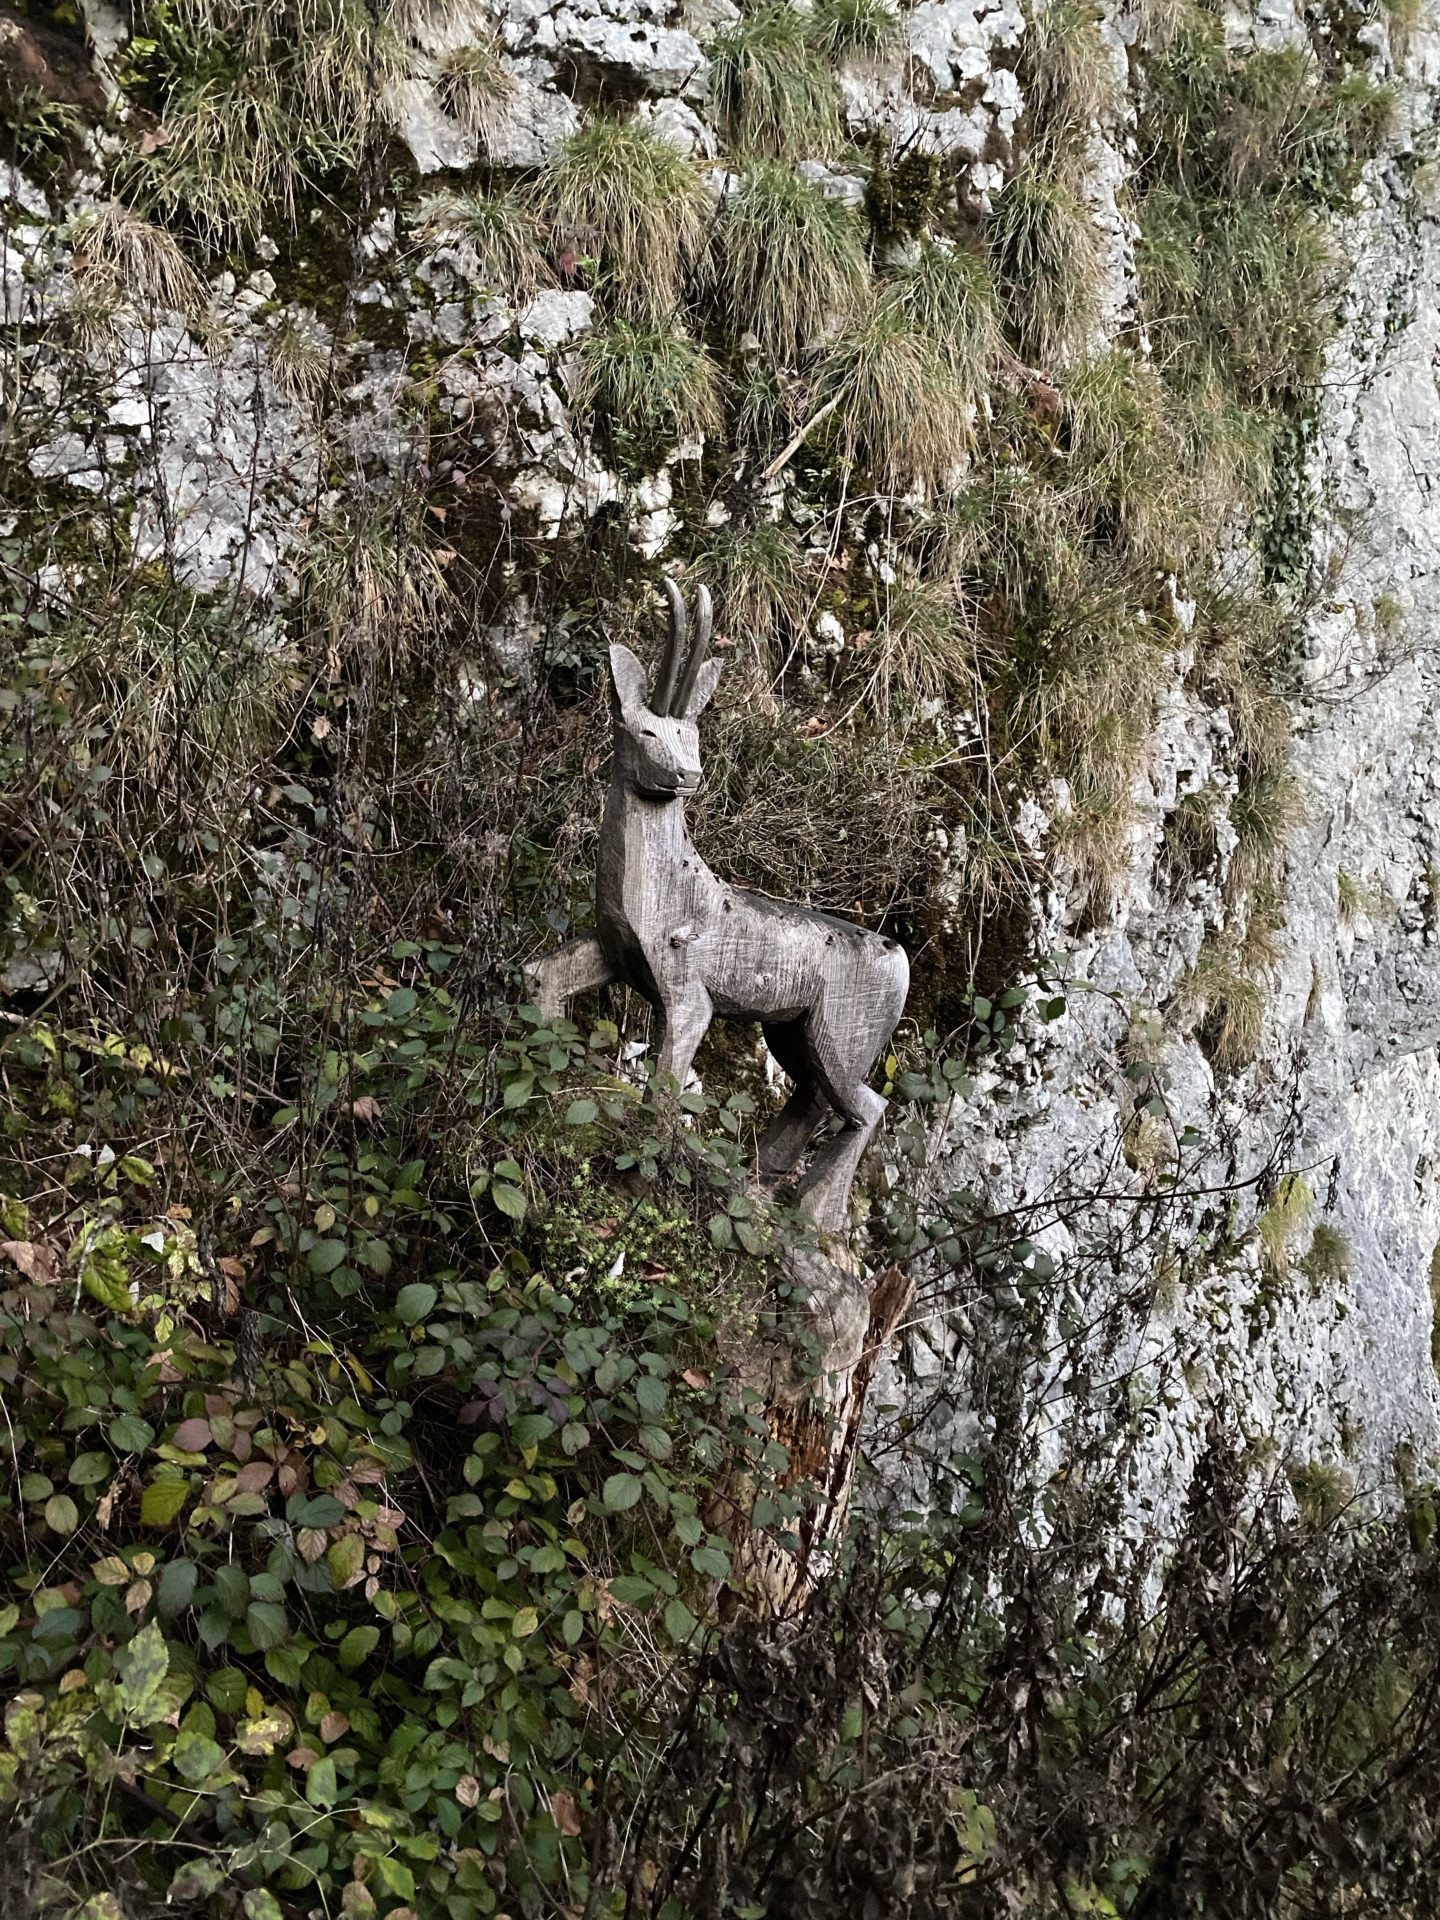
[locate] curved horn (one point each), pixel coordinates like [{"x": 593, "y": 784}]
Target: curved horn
[
  {"x": 693, "y": 665},
  {"x": 674, "y": 646}
]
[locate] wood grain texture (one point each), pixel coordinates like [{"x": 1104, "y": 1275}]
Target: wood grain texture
[{"x": 827, "y": 993}]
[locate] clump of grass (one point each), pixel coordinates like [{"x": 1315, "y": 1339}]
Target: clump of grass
[
  {"x": 300, "y": 358},
  {"x": 655, "y": 384},
  {"x": 1066, "y": 71},
  {"x": 843, "y": 29},
  {"x": 140, "y": 262},
  {"x": 1126, "y": 457},
  {"x": 901, "y": 413},
  {"x": 788, "y": 261},
  {"x": 373, "y": 591},
  {"x": 616, "y": 190},
  {"x": 762, "y": 584},
  {"x": 1263, "y": 813},
  {"x": 773, "y": 88},
  {"x": 1323, "y": 1491},
  {"x": 1231, "y": 1005},
  {"x": 473, "y": 86},
  {"x": 1282, "y": 1223},
  {"x": 766, "y": 786},
  {"x": 1192, "y": 841},
  {"x": 231, "y": 158},
  {"x": 175, "y": 690},
  {"x": 947, "y": 293},
  {"x": 1045, "y": 256},
  {"x": 1351, "y": 897},
  {"x": 1326, "y": 1261},
  {"x": 922, "y": 649},
  {"x": 498, "y": 236},
  {"x": 1241, "y": 287}
]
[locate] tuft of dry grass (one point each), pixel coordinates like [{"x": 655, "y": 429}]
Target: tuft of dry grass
[
  {"x": 787, "y": 261},
  {"x": 1045, "y": 256},
  {"x": 122, "y": 252},
  {"x": 773, "y": 86},
  {"x": 473, "y": 86},
  {"x": 498, "y": 236},
  {"x": 618, "y": 192},
  {"x": 655, "y": 384}
]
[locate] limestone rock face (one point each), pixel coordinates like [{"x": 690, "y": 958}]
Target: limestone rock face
[{"x": 204, "y": 432}]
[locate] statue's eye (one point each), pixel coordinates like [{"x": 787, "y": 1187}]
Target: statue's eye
[{"x": 648, "y": 733}]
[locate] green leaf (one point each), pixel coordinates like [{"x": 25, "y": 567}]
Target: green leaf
[
  {"x": 89, "y": 1469},
  {"x": 412, "y": 1303},
  {"x": 175, "y": 1588},
  {"x": 580, "y": 1113},
  {"x": 267, "y": 1624},
  {"x": 130, "y": 1434},
  {"x": 162, "y": 1500},
  {"x": 574, "y": 1438},
  {"x": 357, "y": 1646},
  {"x": 680, "y": 1622},
  {"x": 195, "y": 1757},
  {"x": 510, "y": 1200},
  {"x": 260, "y": 1904},
  {"x": 633, "y": 1588},
  {"x": 322, "y": 1789},
  {"x": 526, "y": 1621},
  {"x": 61, "y": 1513},
  {"x": 345, "y": 1558},
  {"x": 142, "y": 1666},
  {"x": 402, "y": 1001},
  {"x": 711, "y": 1560},
  {"x": 620, "y": 1492},
  {"x": 325, "y": 1256}
]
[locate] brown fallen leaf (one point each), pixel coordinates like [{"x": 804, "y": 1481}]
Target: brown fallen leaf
[
  {"x": 367, "y": 1107},
  {"x": 467, "y": 1790},
  {"x": 34, "y": 1259},
  {"x": 565, "y": 1811}
]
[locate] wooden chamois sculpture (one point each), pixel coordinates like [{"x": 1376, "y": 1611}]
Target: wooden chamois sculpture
[{"x": 826, "y": 993}]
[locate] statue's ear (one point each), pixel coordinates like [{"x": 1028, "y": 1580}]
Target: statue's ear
[
  {"x": 629, "y": 677},
  {"x": 706, "y": 682}
]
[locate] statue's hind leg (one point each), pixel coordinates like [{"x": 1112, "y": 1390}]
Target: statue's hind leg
[
  {"x": 792, "y": 1129},
  {"x": 825, "y": 1193}
]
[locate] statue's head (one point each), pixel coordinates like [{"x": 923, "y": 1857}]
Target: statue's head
[{"x": 657, "y": 743}]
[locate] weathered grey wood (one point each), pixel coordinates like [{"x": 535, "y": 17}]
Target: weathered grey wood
[{"x": 827, "y": 992}]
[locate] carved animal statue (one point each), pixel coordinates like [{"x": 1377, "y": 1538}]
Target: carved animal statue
[{"x": 826, "y": 992}]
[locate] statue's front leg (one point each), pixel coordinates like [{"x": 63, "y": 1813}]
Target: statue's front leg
[
  {"x": 557, "y": 977},
  {"x": 684, "y": 1024}
]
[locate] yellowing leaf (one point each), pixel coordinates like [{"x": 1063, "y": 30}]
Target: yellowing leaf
[{"x": 162, "y": 1500}]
